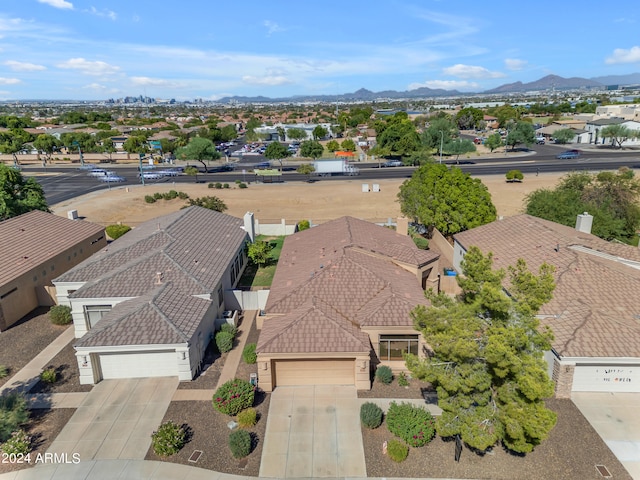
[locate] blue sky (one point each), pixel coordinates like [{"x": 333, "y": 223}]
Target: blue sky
[{"x": 99, "y": 49}]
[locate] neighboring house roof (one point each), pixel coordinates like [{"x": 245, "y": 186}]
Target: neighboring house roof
[
  {"x": 606, "y": 121},
  {"x": 344, "y": 274},
  {"x": 162, "y": 316},
  {"x": 28, "y": 240},
  {"x": 595, "y": 309}
]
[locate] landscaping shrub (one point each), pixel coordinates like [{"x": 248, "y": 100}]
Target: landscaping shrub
[
  {"x": 384, "y": 374},
  {"x": 4, "y": 371},
  {"x": 210, "y": 185},
  {"x": 157, "y": 195},
  {"x": 225, "y": 185},
  {"x": 171, "y": 194},
  {"x": 60, "y": 315},
  {"x": 183, "y": 196},
  {"x": 247, "y": 417},
  {"x": 218, "y": 185},
  {"x": 397, "y": 450},
  {"x": 116, "y": 231},
  {"x": 237, "y": 182},
  {"x": 403, "y": 381},
  {"x": 227, "y": 327},
  {"x": 304, "y": 225},
  {"x": 370, "y": 415},
  {"x": 234, "y": 396},
  {"x": 421, "y": 242},
  {"x": 224, "y": 341},
  {"x": 149, "y": 199},
  {"x": 514, "y": 176},
  {"x": 168, "y": 439},
  {"x": 18, "y": 444},
  {"x": 49, "y": 375},
  {"x": 414, "y": 425},
  {"x": 249, "y": 354},
  {"x": 242, "y": 185},
  {"x": 240, "y": 443},
  {"x": 13, "y": 413}
]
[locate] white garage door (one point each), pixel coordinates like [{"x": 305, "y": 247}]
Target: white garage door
[
  {"x": 139, "y": 365},
  {"x": 315, "y": 372},
  {"x": 610, "y": 378}
]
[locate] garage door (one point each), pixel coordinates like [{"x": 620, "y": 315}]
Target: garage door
[
  {"x": 315, "y": 372},
  {"x": 139, "y": 365},
  {"x": 610, "y": 378}
]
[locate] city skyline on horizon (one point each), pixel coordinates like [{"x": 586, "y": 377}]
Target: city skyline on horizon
[{"x": 65, "y": 49}]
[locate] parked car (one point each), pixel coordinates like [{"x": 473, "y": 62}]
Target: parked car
[
  {"x": 569, "y": 154},
  {"x": 540, "y": 140},
  {"x": 112, "y": 179},
  {"x": 392, "y": 163}
]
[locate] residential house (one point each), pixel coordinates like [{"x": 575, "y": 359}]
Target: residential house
[
  {"x": 36, "y": 247},
  {"x": 147, "y": 304},
  {"x": 595, "y": 308},
  {"x": 340, "y": 304}
]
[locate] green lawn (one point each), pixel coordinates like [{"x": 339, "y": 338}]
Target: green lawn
[{"x": 262, "y": 277}]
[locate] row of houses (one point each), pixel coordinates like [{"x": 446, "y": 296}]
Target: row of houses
[{"x": 148, "y": 304}]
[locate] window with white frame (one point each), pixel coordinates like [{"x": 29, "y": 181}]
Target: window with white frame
[{"x": 94, "y": 313}]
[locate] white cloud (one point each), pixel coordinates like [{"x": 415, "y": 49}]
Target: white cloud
[
  {"x": 269, "y": 80},
  {"x": 58, "y": 4},
  {"x": 471, "y": 71},
  {"x": 155, "y": 82},
  {"x": 9, "y": 81},
  {"x": 23, "y": 66},
  {"x": 620, "y": 55},
  {"x": 103, "y": 13},
  {"x": 515, "y": 64},
  {"x": 272, "y": 27},
  {"x": 88, "y": 67},
  {"x": 101, "y": 88},
  {"x": 445, "y": 84}
]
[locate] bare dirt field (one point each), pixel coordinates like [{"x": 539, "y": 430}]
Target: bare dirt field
[{"x": 319, "y": 202}]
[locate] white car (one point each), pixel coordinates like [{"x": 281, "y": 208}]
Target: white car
[
  {"x": 151, "y": 175},
  {"x": 111, "y": 178},
  {"x": 169, "y": 172},
  {"x": 98, "y": 172}
]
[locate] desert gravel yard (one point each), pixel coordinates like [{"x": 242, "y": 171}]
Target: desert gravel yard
[{"x": 66, "y": 367}]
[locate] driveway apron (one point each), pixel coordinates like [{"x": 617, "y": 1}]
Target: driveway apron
[
  {"x": 116, "y": 419},
  {"x": 313, "y": 431}
]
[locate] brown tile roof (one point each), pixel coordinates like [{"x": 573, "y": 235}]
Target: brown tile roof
[
  {"x": 351, "y": 266},
  {"x": 595, "y": 311},
  {"x": 28, "y": 240}
]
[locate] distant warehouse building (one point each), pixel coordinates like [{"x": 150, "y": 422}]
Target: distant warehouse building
[{"x": 37, "y": 247}]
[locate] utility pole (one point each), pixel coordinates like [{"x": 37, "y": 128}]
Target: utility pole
[
  {"x": 441, "y": 141},
  {"x": 141, "y": 155}
]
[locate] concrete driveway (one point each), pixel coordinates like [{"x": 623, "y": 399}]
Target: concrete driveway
[
  {"x": 313, "y": 431},
  {"x": 616, "y": 418},
  {"x": 116, "y": 419}
]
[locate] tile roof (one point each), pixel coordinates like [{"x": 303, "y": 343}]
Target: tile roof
[
  {"x": 28, "y": 240},
  {"x": 163, "y": 263},
  {"x": 352, "y": 267},
  {"x": 595, "y": 311}
]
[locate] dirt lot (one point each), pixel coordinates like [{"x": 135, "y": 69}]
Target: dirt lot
[{"x": 319, "y": 202}]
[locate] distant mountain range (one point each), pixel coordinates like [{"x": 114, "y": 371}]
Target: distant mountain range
[{"x": 550, "y": 82}]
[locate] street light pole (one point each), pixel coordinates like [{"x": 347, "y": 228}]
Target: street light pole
[{"x": 441, "y": 140}]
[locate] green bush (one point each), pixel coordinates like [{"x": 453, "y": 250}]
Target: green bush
[
  {"x": 224, "y": 341},
  {"x": 514, "y": 176},
  {"x": 4, "y": 371},
  {"x": 370, "y": 415},
  {"x": 157, "y": 195},
  {"x": 218, "y": 185},
  {"x": 249, "y": 354},
  {"x": 414, "y": 425},
  {"x": 49, "y": 375},
  {"x": 397, "y": 450},
  {"x": 225, "y": 185},
  {"x": 60, "y": 315},
  {"x": 242, "y": 185},
  {"x": 247, "y": 418},
  {"x": 168, "y": 439},
  {"x": 403, "y": 381},
  {"x": 384, "y": 374},
  {"x": 18, "y": 444},
  {"x": 210, "y": 185},
  {"x": 13, "y": 414},
  {"x": 234, "y": 396},
  {"x": 116, "y": 231},
  {"x": 149, "y": 199},
  {"x": 421, "y": 242},
  {"x": 182, "y": 195},
  {"x": 227, "y": 327},
  {"x": 238, "y": 182},
  {"x": 240, "y": 443},
  {"x": 172, "y": 194},
  {"x": 304, "y": 225}
]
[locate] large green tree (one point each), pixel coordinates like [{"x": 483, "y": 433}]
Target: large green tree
[
  {"x": 618, "y": 134},
  {"x": 521, "y": 133},
  {"x": 447, "y": 199},
  {"x": 612, "y": 198},
  {"x": 564, "y": 135},
  {"x": 469, "y": 118},
  {"x": 397, "y": 135},
  {"x": 277, "y": 151},
  {"x": 493, "y": 141},
  {"x": 199, "y": 149},
  {"x": 459, "y": 146},
  {"x": 486, "y": 357},
  {"x": 319, "y": 132},
  {"x": 47, "y": 144},
  {"x": 311, "y": 149},
  {"x": 14, "y": 141},
  {"x": 296, "y": 133},
  {"x": 17, "y": 195}
]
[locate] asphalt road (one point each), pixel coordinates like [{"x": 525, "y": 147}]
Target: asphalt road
[{"x": 62, "y": 183}]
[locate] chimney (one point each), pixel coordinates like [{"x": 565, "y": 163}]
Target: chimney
[
  {"x": 250, "y": 226},
  {"x": 402, "y": 226},
  {"x": 584, "y": 222}
]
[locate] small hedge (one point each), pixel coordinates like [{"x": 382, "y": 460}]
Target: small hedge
[
  {"x": 397, "y": 450},
  {"x": 116, "y": 231},
  {"x": 224, "y": 341},
  {"x": 240, "y": 443},
  {"x": 149, "y": 199},
  {"x": 234, "y": 396},
  {"x": 412, "y": 424},
  {"x": 18, "y": 444},
  {"x": 168, "y": 439},
  {"x": 49, "y": 375},
  {"x": 60, "y": 315},
  {"x": 303, "y": 225},
  {"x": 247, "y": 418},
  {"x": 384, "y": 374},
  {"x": 249, "y": 354},
  {"x": 403, "y": 380},
  {"x": 4, "y": 371},
  {"x": 371, "y": 415},
  {"x": 227, "y": 327}
]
